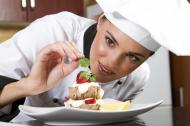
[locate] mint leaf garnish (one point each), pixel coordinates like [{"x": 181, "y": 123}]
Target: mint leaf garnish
[
  {"x": 84, "y": 62},
  {"x": 92, "y": 78}
]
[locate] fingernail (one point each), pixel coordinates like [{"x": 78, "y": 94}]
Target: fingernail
[{"x": 66, "y": 60}]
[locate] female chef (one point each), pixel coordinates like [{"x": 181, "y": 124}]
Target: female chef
[{"x": 32, "y": 62}]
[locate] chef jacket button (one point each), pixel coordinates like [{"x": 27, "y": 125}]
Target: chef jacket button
[
  {"x": 119, "y": 82},
  {"x": 55, "y": 100}
]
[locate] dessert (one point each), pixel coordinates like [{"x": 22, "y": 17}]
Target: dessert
[
  {"x": 85, "y": 96},
  {"x": 86, "y": 93}
]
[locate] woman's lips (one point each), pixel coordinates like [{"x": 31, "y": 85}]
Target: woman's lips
[{"x": 104, "y": 69}]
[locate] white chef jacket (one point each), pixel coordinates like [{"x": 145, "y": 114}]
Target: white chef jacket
[{"x": 18, "y": 54}]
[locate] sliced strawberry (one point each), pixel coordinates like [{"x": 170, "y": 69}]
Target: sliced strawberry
[
  {"x": 90, "y": 101},
  {"x": 81, "y": 79}
]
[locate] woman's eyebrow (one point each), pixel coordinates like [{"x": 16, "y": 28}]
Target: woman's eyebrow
[
  {"x": 112, "y": 37},
  {"x": 134, "y": 53}
]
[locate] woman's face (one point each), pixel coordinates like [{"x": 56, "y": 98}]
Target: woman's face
[{"x": 113, "y": 54}]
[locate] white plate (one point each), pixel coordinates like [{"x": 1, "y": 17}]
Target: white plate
[{"x": 65, "y": 115}]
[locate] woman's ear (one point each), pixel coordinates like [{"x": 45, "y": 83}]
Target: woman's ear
[{"x": 100, "y": 20}]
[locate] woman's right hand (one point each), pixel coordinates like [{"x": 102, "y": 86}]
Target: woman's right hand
[{"x": 50, "y": 68}]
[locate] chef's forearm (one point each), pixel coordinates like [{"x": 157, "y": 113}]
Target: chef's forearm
[{"x": 12, "y": 92}]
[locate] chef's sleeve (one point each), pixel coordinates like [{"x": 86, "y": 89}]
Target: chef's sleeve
[
  {"x": 3, "y": 82},
  {"x": 18, "y": 53}
]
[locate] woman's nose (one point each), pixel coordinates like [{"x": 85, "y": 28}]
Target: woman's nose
[{"x": 114, "y": 60}]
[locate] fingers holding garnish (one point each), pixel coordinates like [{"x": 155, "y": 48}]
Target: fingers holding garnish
[{"x": 71, "y": 50}]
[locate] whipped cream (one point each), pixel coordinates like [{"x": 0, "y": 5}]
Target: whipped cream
[
  {"x": 84, "y": 87},
  {"x": 75, "y": 103}
]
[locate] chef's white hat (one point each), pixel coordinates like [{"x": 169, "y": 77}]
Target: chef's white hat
[{"x": 154, "y": 22}]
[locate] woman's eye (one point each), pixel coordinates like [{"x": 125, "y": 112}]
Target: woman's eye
[
  {"x": 133, "y": 58},
  {"x": 109, "y": 42}
]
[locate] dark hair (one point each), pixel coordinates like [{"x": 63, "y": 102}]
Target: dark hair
[{"x": 152, "y": 53}]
